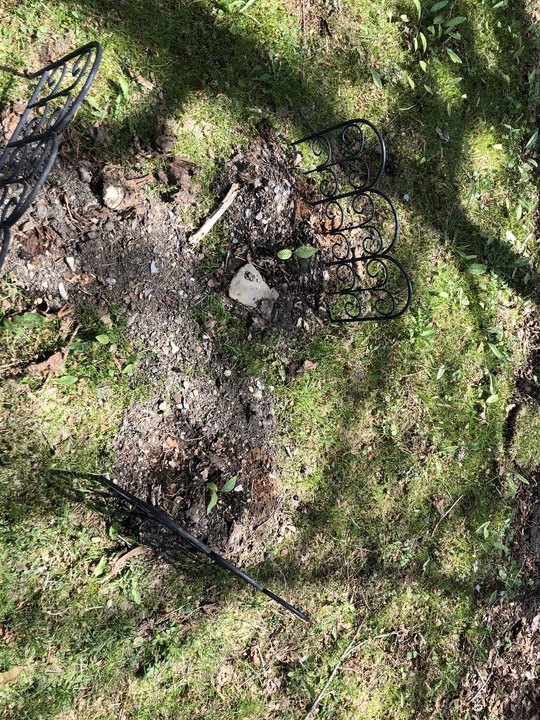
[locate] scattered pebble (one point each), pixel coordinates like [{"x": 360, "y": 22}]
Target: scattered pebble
[
  {"x": 62, "y": 290},
  {"x": 153, "y": 268}
]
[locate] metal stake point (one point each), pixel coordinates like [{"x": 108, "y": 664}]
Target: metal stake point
[{"x": 193, "y": 541}]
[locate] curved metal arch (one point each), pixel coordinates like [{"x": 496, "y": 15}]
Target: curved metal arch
[
  {"x": 357, "y": 300},
  {"x": 60, "y": 90},
  {"x": 344, "y": 148}
]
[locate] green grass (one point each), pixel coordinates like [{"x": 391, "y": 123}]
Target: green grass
[{"x": 396, "y": 439}]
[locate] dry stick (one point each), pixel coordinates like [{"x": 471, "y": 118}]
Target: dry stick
[
  {"x": 351, "y": 648},
  {"x": 212, "y": 220},
  {"x": 445, "y": 514}
]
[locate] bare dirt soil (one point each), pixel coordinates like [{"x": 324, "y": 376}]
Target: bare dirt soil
[{"x": 92, "y": 237}]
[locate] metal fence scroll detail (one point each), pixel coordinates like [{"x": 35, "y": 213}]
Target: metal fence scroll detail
[
  {"x": 60, "y": 89},
  {"x": 360, "y": 225},
  {"x": 29, "y": 154}
]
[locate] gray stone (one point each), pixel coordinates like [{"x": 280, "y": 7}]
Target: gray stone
[{"x": 249, "y": 288}]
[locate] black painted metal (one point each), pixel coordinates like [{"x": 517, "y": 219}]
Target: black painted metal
[
  {"x": 193, "y": 541},
  {"x": 23, "y": 170},
  {"x": 60, "y": 89},
  {"x": 360, "y": 223},
  {"x": 4, "y": 242},
  {"x": 31, "y": 150}
]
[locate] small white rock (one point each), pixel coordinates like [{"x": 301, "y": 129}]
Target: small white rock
[
  {"x": 70, "y": 262},
  {"x": 249, "y": 288},
  {"x": 62, "y": 290},
  {"x": 153, "y": 268}
]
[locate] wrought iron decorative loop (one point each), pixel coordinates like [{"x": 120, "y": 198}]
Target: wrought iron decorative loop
[
  {"x": 352, "y": 152},
  {"x": 31, "y": 150},
  {"x": 23, "y": 170},
  {"x": 371, "y": 214},
  {"x": 374, "y": 287},
  {"x": 60, "y": 89}
]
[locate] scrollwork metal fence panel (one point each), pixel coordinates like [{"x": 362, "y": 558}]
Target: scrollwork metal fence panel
[
  {"x": 359, "y": 225},
  {"x": 60, "y": 90},
  {"x": 344, "y": 158},
  {"x": 31, "y": 150}
]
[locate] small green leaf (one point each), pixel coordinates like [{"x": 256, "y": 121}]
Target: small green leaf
[
  {"x": 418, "y": 8},
  {"x": 284, "y": 254},
  {"x": 305, "y": 251},
  {"x": 423, "y": 40},
  {"x": 212, "y": 486},
  {"x": 453, "y": 22},
  {"x": 11, "y": 327},
  {"x": 212, "y": 503},
  {"x": 30, "y": 320},
  {"x": 113, "y": 530},
  {"x": 124, "y": 85},
  {"x": 100, "y": 567},
  {"x": 439, "y": 6},
  {"x": 230, "y": 484},
  {"x": 453, "y": 57},
  {"x": 103, "y": 339},
  {"x": 411, "y": 82},
  {"x": 376, "y": 78},
  {"x": 441, "y": 372},
  {"x": 423, "y": 65},
  {"x": 492, "y": 399},
  {"x": 135, "y": 593},
  {"x": 495, "y": 350},
  {"x": 129, "y": 368},
  {"x": 476, "y": 269},
  {"x": 498, "y": 146},
  {"x": 532, "y": 140},
  {"x": 67, "y": 380}
]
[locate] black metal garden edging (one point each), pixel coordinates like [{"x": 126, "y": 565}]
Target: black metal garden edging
[
  {"x": 31, "y": 150},
  {"x": 193, "y": 541},
  {"x": 361, "y": 224}
]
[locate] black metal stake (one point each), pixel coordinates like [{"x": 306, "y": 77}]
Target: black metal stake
[{"x": 193, "y": 541}]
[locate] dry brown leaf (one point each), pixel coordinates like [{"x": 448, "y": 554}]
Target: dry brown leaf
[
  {"x": 52, "y": 364},
  {"x": 308, "y": 365},
  {"x": 225, "y": 676},
  {"x": 10, "y": 675},
  {"x": 119, "y": 564}
]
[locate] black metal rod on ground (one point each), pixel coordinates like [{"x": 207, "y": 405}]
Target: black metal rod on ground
[{"x": 197, "y": 544}]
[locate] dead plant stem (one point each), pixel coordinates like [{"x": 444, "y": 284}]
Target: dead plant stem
[{"x": 351, "y": 648}]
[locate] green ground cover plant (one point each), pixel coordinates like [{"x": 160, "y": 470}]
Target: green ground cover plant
[{"x": 396, "y": 436}]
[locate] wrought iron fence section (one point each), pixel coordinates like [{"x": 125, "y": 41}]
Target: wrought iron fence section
[
  {"x": 347, "y": 157},
  {"x": 60, "y": 90},
  {"x": 360, "y": 224},
  {"x": 369, "y": 287},
  {"x": 31, "y": 150}
]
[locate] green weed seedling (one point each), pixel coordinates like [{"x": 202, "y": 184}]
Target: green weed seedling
[{"x": 214, "y": 497}]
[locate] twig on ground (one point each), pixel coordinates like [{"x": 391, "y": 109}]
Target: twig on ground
[
  {"x": 446, "y": 514},
  {"x": 351, "y": 648},
  {"x": 212, "y": 220}
]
